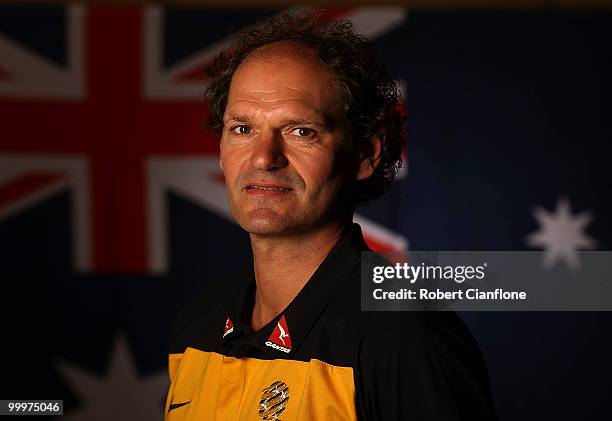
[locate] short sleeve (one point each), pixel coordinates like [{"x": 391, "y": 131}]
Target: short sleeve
[{"x": 420, "y": 366}]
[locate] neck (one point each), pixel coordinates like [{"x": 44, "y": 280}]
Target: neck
[{"x": 283, "y": 265}]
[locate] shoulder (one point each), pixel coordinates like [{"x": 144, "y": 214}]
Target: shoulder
[
  {"x": 202, "y": 316},
  {"x": 431, "y": 360},
  {"x": 436, "y": 331}
]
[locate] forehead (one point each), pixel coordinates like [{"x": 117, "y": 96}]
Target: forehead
[{"x": 284, "y": 77}]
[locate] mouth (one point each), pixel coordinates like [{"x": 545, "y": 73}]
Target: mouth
[{"x": 263, "y": 188}]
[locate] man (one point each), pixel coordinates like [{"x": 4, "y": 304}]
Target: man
[{"x": 310, "y": 126}]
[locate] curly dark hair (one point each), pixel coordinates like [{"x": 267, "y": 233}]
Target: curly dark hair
[{"x": 371, "y": 97}]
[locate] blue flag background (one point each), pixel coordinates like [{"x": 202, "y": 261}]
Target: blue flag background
[{"x": 508, "y": 112}]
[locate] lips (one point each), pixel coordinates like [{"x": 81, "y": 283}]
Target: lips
[
  {"x": 263, "y": 187},
  {"x": 281, "y": 189}
]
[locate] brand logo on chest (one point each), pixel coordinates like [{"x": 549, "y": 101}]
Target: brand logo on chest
[
  {"x": 279, "y": 338},
  {"x": 229, "y": 327}
]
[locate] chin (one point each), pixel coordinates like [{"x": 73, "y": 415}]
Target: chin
[
  {"x": 265, "y": 222},
  {"x": 265, "y": 228}
]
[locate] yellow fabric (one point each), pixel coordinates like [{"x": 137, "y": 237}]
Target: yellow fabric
[{"x": 221, "y": 388}]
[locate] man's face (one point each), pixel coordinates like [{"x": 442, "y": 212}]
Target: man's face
[{"x": 285, "y": 148}]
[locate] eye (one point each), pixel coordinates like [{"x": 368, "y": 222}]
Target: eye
[
  {"x": 241, "y": 129},
  {"x": 302, "y": 132}
]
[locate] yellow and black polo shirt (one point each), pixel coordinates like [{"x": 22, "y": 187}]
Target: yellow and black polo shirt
[{"x": 322, "y": 358}]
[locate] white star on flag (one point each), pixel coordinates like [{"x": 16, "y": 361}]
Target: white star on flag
[
  {"x": 121, "y": 394},
  {"x": 561, "y": 234}
]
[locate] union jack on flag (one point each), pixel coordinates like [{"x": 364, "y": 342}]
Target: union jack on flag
[{"x": 113, "y": 113}]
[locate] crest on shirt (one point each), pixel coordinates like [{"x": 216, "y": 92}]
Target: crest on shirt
[
  {"x": 273, "y": 401},
  {"x": 279, "y": 338},
  {"x": 229, "y": 327}
]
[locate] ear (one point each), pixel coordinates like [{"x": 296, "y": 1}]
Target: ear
[
  {"x": 220, "y": 164},
  {"x": 369, "y": 158}
]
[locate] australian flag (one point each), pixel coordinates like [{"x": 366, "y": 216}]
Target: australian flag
[{"x": 113, "y": 209}]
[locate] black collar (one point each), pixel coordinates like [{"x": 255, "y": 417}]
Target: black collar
[{"x": 299, "y": 316}]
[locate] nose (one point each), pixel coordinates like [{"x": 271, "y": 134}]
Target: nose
[{"x": 268, "y": 153}]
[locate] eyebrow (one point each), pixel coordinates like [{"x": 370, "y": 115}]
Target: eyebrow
[
  {"x": 301, "y": 121},
  {"x": 241, "y": 118},
  {"x": 324, "y": 120}
]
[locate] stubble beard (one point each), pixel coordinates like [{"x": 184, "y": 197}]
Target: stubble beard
[{"x": 268, "y": 222}]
